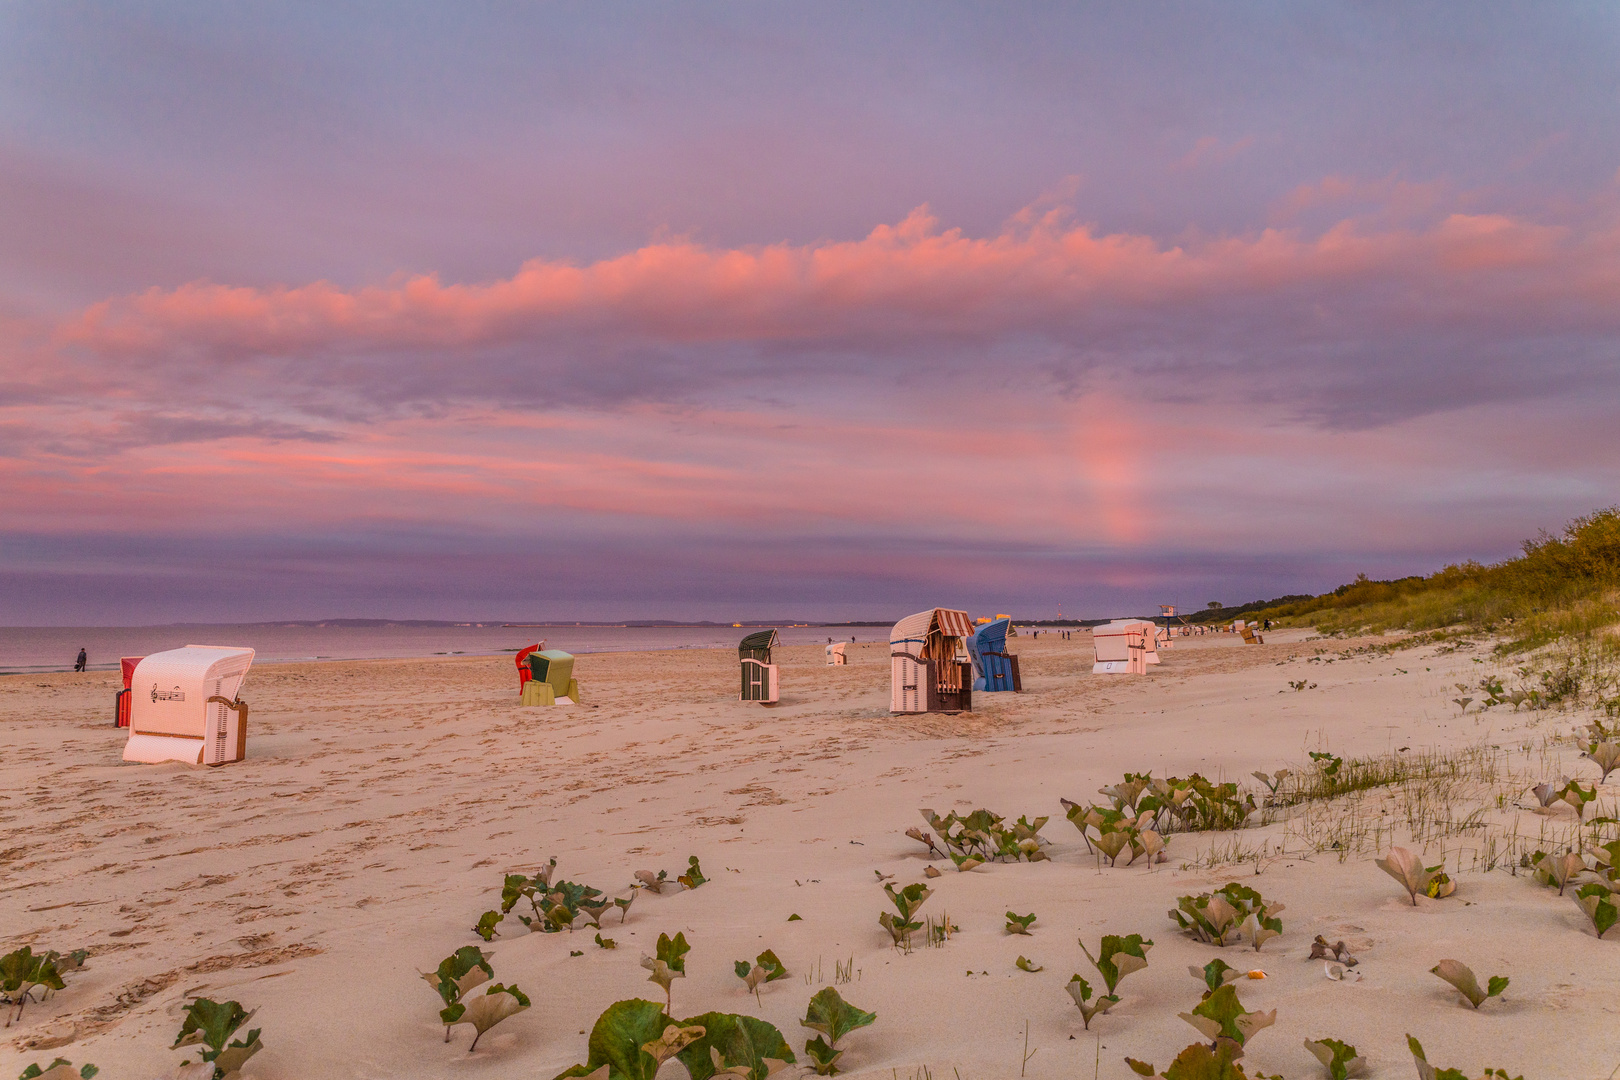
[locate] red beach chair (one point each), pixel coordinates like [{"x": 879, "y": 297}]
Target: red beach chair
[
  {"x": 121, "y": 706},
  {"x": 524, "y": 674}
]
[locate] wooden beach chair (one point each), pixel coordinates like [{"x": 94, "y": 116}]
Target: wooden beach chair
[
  {"x": 551, "y": 679},
  {"x": 184, "y": 706}
]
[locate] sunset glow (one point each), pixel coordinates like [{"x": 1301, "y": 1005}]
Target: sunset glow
[{"x": 625, "y": 323}]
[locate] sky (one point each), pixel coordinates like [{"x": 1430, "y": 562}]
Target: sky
[{"x": 815, "y": 311}]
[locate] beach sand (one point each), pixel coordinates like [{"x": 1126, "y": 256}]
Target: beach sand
[{"x": 381, "y": 801}]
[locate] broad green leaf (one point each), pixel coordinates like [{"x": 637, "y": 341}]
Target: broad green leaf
[
  {"x": 1215, "y": 974},
  {"x": 672, "y": 951},
  {"x": 1339, "y": 1058},
  {"x": 22, "y": 969},
  {"x": 1019, "y": 924},
  {"x": 617, "y": 1038},
  {"x": 739, "y": 1041},
  {"x": 1221, "y": 1015},
  {"x": 487, "y": 922},
  {"x": 1202, "y": 1062},
  {"x": 1024, "y": 963},
  {"x": 1597, "y": 900},
  {"x": 211, "y": 1023},
  {"x": 823, "y": 1056},
  {"x": 1118, "y": 957},
  {"x": 909, "y": 899},
  {"x": 459, "y": 972},
  {"x": 606, "y": 943},
  {"x": 515, "y": 888},
  {"x": 831, "y": 1015},
  {"x": 1112, "y": 843},
  {"x": 1461, "y": 976},
  {"x": 496, "y": 1004},
  {"x": 773, "y": 967}
]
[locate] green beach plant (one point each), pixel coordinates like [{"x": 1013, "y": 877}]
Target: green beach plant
[
  {"x": 458, "y": 973},
  {"x": 829, "y": 1014},
  {"x": 497, "y": 1003},
  {"x": 694, "y": 874},
  {"x": 1339, "y": 1058},
  {"x": 1606, "y": 756},
  {"x": 23, "y": 972},
  {"x": 766, "y": 968},
  {"x": 1578, "y": 796},
  {"x": 1118, "y": 957},
  {"x": 1080, "y": 991},
  {"x": 1407, "y": 868},
  {"x": 1462, "y": 977},
  {"x": 630, "y": 1040},
  {"x": 1215, "y": 974},
  {"x": 1221, "y": 917},
  {"x": 1426, "y": 1071},
  {"x": 1201, "y": 1061},
  {"x": 983, "y": 836},
  {"x": 1019, "y": 924},
  {"x": 906, "y": 901},
  {"x": 1559, "y": 870},
  {"x": 733, "y": 1045},
  {"x": 60, "y": 1069},
  {"x": 210, "y": 1025},
  {"x": 1597, "y": 900},
  {"x": 667, "y": 963},
  {"x": 1220, "y": 1015}
]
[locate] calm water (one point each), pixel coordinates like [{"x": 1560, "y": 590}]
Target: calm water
[{"x": 53, "y": 648}]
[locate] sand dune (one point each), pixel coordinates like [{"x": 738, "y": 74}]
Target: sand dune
[{"x": 381, "y": 802}]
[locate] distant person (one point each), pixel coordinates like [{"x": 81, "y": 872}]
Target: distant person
[
  {"x": 84, "y": 658},
  {"x": 829, "y": 641},
  {"x": 1268, "y": 624}
]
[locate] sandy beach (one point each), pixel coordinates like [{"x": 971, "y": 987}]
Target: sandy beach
[{"x": 381, "y": 802}]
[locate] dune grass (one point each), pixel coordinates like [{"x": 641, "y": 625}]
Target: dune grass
[{"x": 1562, "y": 591}]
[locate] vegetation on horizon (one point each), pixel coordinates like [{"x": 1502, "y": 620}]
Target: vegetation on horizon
[{"x": 1563, "y": 586}]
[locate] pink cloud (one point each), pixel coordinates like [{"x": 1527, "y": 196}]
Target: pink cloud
[{"x": 902, "y": 279}]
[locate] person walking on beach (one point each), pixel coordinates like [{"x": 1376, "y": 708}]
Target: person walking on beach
[{"x": 84, "y": 658}]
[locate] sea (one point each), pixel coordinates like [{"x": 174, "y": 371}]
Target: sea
[{"x": 25, "y": 649}]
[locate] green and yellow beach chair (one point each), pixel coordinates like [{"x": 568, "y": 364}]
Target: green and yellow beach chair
[{"x": 551, "y": 679}]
